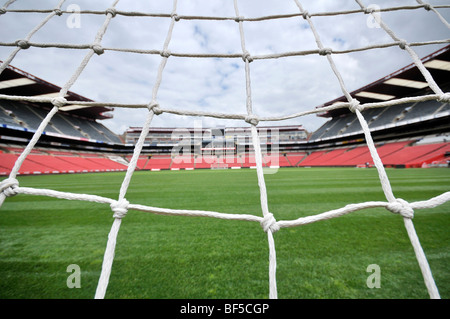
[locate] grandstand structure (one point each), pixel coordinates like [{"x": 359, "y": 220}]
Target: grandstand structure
[
  {"x": 74, "y": 128},
  {"x": 74, "y": 122},
  {"x": 406, "y": 135},
  {"x": 219, "y": 147}
]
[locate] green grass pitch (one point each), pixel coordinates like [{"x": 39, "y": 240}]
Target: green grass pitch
[{"x": 198, "y": 257}]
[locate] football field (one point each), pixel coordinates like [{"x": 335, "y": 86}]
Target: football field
[{"x": 200, "y": 257}]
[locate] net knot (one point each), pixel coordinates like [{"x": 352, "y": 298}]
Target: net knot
[
  {"x": 59, "y": 101},
  {"x": 8, "y": 187},
  {"x": 239, "y": 19},
  {"x": 427, "y": 6},
  {"x": 306, "y": 15},
  {"x": 165, "y": 53},
  {"x": 355, "y": 105},
  {"x": 58, "y": 12},
  {"x": 111, "y": 11},
  {"x": 402, "y": 44},
  {"x": 120, "y": 208},
  {"x": 402, "y": 207},
  {"x": 154, "y": 106},
  {"x": 270, "y": 223},
  {"x": 247, "y": 57},
  {"x": 251, "y": 119},
  {"x": 445, "y": 98},
  {"x": 2, "y": 10},
  {"x": 98, "y": 49},
  {"x": 23, "y": 44},
  {"x": 325, "y": 51},
  {"x": 176, "y": 17},
  {"x": 369, "y": 10}
]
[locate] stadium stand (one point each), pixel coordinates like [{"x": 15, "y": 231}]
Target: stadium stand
[
  {"x": 312, "y": 158},
  {"x": 408, "y": 135},
  {"x": 295, "y": 158},
  {"x": 158, "y": 162},
  {"x": 72, "y": 121},
  {"x": 52, "y": 162},
  {"x": 348, "y": 158},
  {"x": 276, "y": 160},
  {"x": 205, "y": 161},
  {"x": 416, "y": 155},
  {"x": 383, "y": 151},
  {"x": 182, "y": 162}
]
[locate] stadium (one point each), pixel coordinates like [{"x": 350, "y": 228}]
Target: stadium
[
  {"x": 56, "y": 145},
  {"x": 407, "y": 135}
]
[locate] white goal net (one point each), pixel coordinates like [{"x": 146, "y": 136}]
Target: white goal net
[{"x": 268, "y": 220}]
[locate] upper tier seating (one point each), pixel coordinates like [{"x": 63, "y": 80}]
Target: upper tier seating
[{"x": 16, "y": 114}]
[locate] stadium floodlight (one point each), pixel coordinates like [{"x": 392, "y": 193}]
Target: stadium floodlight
[{"x": 268, "y": 221}]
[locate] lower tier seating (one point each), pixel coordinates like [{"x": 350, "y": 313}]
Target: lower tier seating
[{"x": 395, "y": 154}]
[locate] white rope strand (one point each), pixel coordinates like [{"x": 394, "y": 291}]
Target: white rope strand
[
  {"x": 385, "y": 184},
  {"x": 232, "y": 116},
  {"x": 10, "y": 187},
  {"x": 120, "y": 208},
  {"x": 432, "y": 202},
  {"x": 404, "y": 45},
  {"x": 253, "y": 121},
  {"x": 429, "y": 7},
  {"x": 422, "y": 260},
  {"x": 265, "y": 209},
  {"x": 215, "y": 55},
  {"x": 324, "y": 51},
  {"x": 57, "y": 102},
  {"x": 221, "y": 18},
  {"x": 420, "y": 255},
  {"x": 108, "y": 259},
  {"x": 25, "y": 41},
  {"x": 49, "y": 116}
]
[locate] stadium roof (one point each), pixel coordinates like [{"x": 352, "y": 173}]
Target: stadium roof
[
  {"x": 14, "y": 81},
  {"x": 405, "y": 82}
]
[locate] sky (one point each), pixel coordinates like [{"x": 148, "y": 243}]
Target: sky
[{"x": 279, "y": 86}]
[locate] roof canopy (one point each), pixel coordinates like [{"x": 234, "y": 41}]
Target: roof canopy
[
  {"x": 14, "y": 81},
  {"x": 405, "y": 82}
]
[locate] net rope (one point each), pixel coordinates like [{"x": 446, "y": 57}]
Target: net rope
[{"x": 120, "y": 207}]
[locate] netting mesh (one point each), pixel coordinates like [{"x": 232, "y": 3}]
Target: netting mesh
[{"x": 268, "y": 221}]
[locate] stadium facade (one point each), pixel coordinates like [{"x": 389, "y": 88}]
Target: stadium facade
[{"x": 406, "y": 135}]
